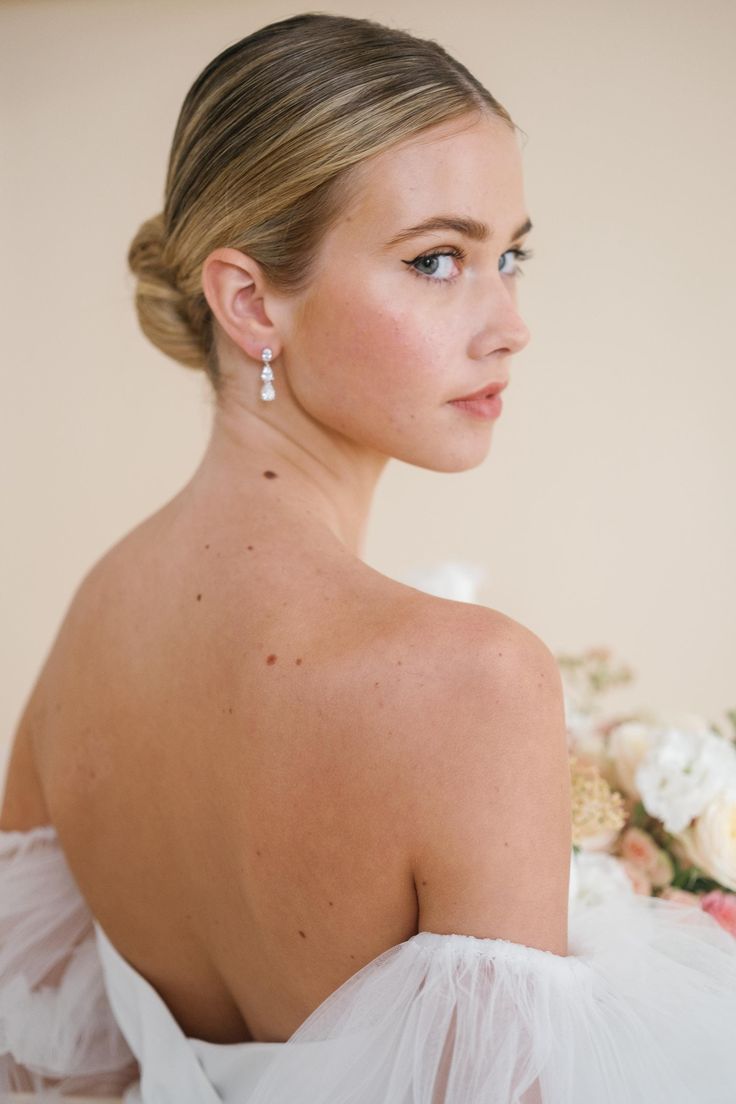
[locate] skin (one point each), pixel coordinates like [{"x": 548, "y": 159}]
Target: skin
[
  {"x": 367, "y": 360},
  {"x": 170, "y": 644}
]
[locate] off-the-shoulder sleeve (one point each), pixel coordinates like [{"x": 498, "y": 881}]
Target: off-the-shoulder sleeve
[
  {"x": 58, "y": 1036},
  {"x": 642, "y": 1011}
]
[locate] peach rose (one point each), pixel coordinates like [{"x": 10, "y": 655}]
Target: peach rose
[
  {"x": 639, "y": 849},
  {"x": 662, "y": 870},
  {"x": 640, "y": 880},
  {"x": 681, "y": 896}
]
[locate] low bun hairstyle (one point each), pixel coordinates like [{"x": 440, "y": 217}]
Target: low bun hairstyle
[
  {"x": 176, "y": 323},
  {"x": 262, "y": 155}
]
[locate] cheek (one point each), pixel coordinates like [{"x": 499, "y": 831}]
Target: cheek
[{"x": 385, "y": 347}]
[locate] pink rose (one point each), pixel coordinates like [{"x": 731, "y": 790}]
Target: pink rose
[{"x": 723, "y": 907}]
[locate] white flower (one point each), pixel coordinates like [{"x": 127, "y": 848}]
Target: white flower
[
  {"x": 458, "y": 580},
  {"x": 710, "y": 842},
  {"x": 682, "y": 772},
  {"x": 628, "y": 743},
  {"x": 596, "y": 876}
]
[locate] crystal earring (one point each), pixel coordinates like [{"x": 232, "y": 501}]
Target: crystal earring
[{"x": 267, "y": 391}]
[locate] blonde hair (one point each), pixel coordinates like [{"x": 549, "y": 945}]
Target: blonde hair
[{"x": 262, "y": 155}]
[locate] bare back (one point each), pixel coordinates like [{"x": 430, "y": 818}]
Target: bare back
[{"x": 199, "y": 730}]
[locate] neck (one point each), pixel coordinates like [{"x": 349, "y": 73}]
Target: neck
[{"x": 305, "y": 472}]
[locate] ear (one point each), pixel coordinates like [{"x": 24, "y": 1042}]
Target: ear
[{"x": 233, "y": 285}]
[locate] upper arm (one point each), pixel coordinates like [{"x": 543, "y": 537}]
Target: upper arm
[
  {"x": 492, "y": 833},
  {"x": 22, "y": 802}
]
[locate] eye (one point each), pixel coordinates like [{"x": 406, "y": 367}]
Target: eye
[
  {"x": 518, "y": 255},
  {"x": 430, "y": 265},
  {"x": 425, "y": 265}
]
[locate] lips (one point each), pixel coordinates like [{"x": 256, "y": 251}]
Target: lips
[{"x": 492, "y": 388}]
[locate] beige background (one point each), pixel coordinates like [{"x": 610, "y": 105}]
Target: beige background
[{"x": 604, "y": 513}]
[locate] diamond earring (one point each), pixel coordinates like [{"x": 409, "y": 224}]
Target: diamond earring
[{"x": 267, "y": 391}]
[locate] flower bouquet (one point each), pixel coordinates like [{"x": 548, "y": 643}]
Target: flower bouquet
[{"x": 654, "y": 797}]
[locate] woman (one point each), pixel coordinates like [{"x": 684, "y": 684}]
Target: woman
[{"x": 261, "y": 837}]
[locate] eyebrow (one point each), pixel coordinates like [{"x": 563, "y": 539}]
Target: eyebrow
[{"x": 471, "y": 228}]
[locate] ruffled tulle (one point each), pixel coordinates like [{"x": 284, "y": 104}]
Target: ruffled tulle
[
  {"x": 58, "y": 1034},
  {"x": 643, "y": 1009}
]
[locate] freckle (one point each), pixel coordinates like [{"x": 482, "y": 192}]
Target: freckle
[
  {"x": 330, "y": 902},
  {"x": 270, "y": 474},
  {"x": 352, "y": 956},
  {"x": 376, "y": 684},
  {"x": 270, "y": 660},
  {"x": 199, "y": 597},
  {"x": 298, "y": 661},
  {"x": 257, "y": 851},
  {"x": 302, "y": 934},
  {"x": 250, "y": 547},
  {"x": 206, "y": 546},
  {"x": 424, "y": 881}
]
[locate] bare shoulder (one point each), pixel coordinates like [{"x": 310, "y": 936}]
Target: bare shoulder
[
  {"x": 474, "y": 652},
  {"x": 487, "y": 776}
]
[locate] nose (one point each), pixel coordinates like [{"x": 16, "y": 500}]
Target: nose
[{"x": 506, "y": 329}]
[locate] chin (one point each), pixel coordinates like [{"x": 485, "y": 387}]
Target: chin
[{"x": 458, "y": 456}]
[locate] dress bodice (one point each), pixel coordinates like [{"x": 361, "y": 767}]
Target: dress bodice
[{"x": 174, "y": 1066}]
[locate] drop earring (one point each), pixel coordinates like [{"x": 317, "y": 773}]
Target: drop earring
[{"x": 267, "y": 390}]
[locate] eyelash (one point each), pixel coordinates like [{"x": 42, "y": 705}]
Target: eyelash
[{"x": 460, "y": 254}]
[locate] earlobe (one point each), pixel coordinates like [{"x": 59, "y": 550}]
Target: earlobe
[{"x": 232, "y": 286}]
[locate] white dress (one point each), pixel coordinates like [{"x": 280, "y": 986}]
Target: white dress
[{"x": 643, "y": 1009}]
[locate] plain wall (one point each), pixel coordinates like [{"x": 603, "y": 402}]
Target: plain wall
[{"x": 604, "y": 513}]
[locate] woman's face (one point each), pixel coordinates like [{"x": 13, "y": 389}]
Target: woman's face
[{"x": 389, "y": 332}]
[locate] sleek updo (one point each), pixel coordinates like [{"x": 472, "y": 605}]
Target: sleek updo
[{"x": 262, "y": 153}]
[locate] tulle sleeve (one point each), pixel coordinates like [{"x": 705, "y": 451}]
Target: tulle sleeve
[
  {"x": 58, "y": 1036},
  {"x": 643, "y": 1009}
]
